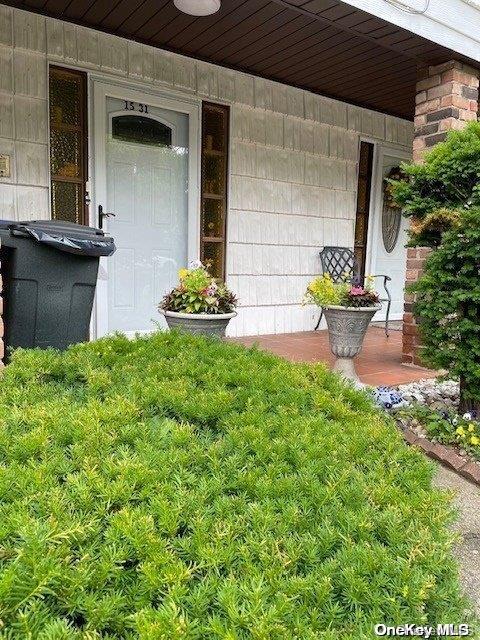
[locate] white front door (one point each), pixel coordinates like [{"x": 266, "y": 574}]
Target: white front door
[
  {"x": 388, "y": 237},
  {"x": 143, "y": 177}
]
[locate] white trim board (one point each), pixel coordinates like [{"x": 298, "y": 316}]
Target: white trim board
[
  {"x": 375, "y": 211},
  {"x": 454, "y": 24}
]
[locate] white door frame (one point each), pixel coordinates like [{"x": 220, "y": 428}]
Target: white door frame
[
  {"x": 101, "y": 90},
  {"x": 375, "y": 213}
]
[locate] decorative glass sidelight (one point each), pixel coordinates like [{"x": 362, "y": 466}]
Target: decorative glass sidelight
[
  {"x": 365, "y": 167},
  {"x": 215, "y": 119},
  {"x": 68, "y": 144}
]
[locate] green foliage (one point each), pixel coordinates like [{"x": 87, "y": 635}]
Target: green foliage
[
  {"x": 442, "y": 196},
  {"x": 447, "y": 427},
  {"x": 324, "y": 292},
  {"x": 174, "y": 487},
  {"x": 198, "y": 292},
  {"x": 448, "y": 304},
  {"x": 449, "y": 178}
]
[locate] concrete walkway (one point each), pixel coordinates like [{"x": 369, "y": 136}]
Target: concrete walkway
[{"x": 467, "y": 550}]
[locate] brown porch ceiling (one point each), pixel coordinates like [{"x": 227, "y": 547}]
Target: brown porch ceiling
[{"x": 326, "y": 46}]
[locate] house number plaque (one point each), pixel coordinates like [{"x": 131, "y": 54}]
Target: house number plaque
[
  {"x": 4, "y": 166},
  {"x": 136, "y": 106}
]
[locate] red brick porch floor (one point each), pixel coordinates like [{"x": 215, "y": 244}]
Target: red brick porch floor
[{"x": 379, "y": 363}]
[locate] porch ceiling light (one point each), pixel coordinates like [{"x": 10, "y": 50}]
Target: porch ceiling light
[{"x": 198, "y": 7}]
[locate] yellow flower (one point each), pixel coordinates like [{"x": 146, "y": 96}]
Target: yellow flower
[
  {"x": 460, "y": 431},
  {"x": 183, "y": 273},
  {"x": 471, "y": 428},
  {"x": 474, "y": 440}
]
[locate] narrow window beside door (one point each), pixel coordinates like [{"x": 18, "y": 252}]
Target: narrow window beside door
[
  {"x": 214, "y": 186},
  {"x": 68, "y": 144},
  {"x": 364, "y": 189}
]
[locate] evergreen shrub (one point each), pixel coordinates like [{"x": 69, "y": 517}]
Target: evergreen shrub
[
  {"x": 175, "y": 487},
  {"x": 442, "y": 196},
  {"x": 448, "y": 305},
  {"x": 448, "y": 182}
]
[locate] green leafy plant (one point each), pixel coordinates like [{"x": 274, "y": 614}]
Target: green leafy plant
[
  {"x": 448, "y": 427},
  {"x": 324, "y": 292},
  {"x": 395, "y": 175},
  {"x": 448, "y": 180},
  {"x": 178, "y": 488},
  {"x": 198, "y": 292},
  {"x": 442, "y": 196},
  {"x": 448, "y": 306}
]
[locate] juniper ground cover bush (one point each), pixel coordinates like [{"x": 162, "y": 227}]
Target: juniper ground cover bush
[{"x": 174, "y": 487}]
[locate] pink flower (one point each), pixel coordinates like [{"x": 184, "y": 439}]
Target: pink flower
[
  {"x": 209, "y": 291},
  {"x": 357, "y": 291},
  {"x": 213, "y": 287}
]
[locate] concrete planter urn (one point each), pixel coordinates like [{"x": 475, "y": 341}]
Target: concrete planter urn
[
  {"x": 205, "y": 324},
  {"x": 347, "y": 327}
]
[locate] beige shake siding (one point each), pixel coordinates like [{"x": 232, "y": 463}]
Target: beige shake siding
[{"x": 293, "y": 155}]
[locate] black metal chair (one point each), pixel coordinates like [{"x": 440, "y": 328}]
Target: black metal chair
[{"x": 340, "y": 263}]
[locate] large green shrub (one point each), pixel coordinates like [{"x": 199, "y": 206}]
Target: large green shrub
[
  {"x": 448, "y": 304},
  {"x": 173, "y": 488},
  {"x": 442, "y": 196},
  {"x": 447, "y": 182}
]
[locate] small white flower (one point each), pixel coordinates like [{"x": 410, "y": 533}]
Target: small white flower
[{"x": 467, "y": 416}]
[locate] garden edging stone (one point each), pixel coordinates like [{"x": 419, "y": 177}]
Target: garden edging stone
[{"x": 445, "y": 455}]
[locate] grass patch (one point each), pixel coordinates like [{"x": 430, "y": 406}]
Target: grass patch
[{"x": 173, "y": 487}]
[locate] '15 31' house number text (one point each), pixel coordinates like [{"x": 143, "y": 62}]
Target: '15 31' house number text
[{"x": 136, "y": 106}]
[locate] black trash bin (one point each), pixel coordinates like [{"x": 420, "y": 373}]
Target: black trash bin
[{"x": 49, "y": 271}]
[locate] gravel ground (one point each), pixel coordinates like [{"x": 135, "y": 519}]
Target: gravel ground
[{"x": 438, "y": 395}]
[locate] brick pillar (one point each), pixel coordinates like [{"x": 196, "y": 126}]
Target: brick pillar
[
  {"x": 447, "y": 98},
  {"x": 411, "y": 340}
]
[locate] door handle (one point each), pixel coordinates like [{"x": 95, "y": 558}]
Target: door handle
[{"x": 103, "y": 214}]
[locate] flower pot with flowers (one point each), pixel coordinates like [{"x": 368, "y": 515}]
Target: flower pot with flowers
[
  {"x": 199, "y": 304},
  {"x": 348, "y": 310}
]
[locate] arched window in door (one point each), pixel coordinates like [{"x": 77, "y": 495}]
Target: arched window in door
[{"x": 141, "y": 130}]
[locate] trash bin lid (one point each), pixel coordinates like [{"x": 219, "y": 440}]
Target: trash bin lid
[{"x": 65, "y": 236}]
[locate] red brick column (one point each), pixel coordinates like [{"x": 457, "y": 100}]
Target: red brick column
[
  {"x": 447, "y": 98},
  {"x": 411, "y": 340}
]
